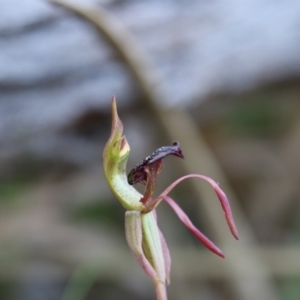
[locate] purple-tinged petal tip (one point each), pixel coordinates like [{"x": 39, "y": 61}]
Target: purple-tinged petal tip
[{"x": 227, "y": 210}]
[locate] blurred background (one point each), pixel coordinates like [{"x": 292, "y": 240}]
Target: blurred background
[{"x": 220, "y": 77}]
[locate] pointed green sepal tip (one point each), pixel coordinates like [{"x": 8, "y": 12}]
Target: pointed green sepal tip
[
  {"x": 115, "y": 155},
  {"x": 116, "y": 147}
]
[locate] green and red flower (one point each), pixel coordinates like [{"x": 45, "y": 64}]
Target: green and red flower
[{"x": 143, "y": 235}]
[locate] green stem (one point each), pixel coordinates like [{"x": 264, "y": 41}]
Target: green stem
[{"x": 161, "y": 292}]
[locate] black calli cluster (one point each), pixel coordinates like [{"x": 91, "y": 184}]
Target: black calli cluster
[{"x": 138, "y": 174}]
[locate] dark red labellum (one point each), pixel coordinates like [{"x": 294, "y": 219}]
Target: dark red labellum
[{"x": 138, "y": 174}]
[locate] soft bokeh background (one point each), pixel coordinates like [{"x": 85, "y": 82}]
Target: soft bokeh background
[{"x": 221, "y": 77}]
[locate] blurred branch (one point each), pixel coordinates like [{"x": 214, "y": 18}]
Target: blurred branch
[
  {"x": 178, "y": 125},
  {"x": 127, "y": 48},
  {"x": 282, "y": 191}
]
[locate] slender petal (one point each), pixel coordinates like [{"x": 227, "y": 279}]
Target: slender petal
[
  {"x": 226, "y": 208},
  {"x": 191, "y": 227},
  {"x": 221, "y": 195},
  {"x": 134, "y": 237},
  {"x": 166, "y": 251},
  {"x": 166, "y": 255},
  {"x": 152, "y": 245}
]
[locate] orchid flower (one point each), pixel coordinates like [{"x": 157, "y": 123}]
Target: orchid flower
[{"x": 143, "y": 235}]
